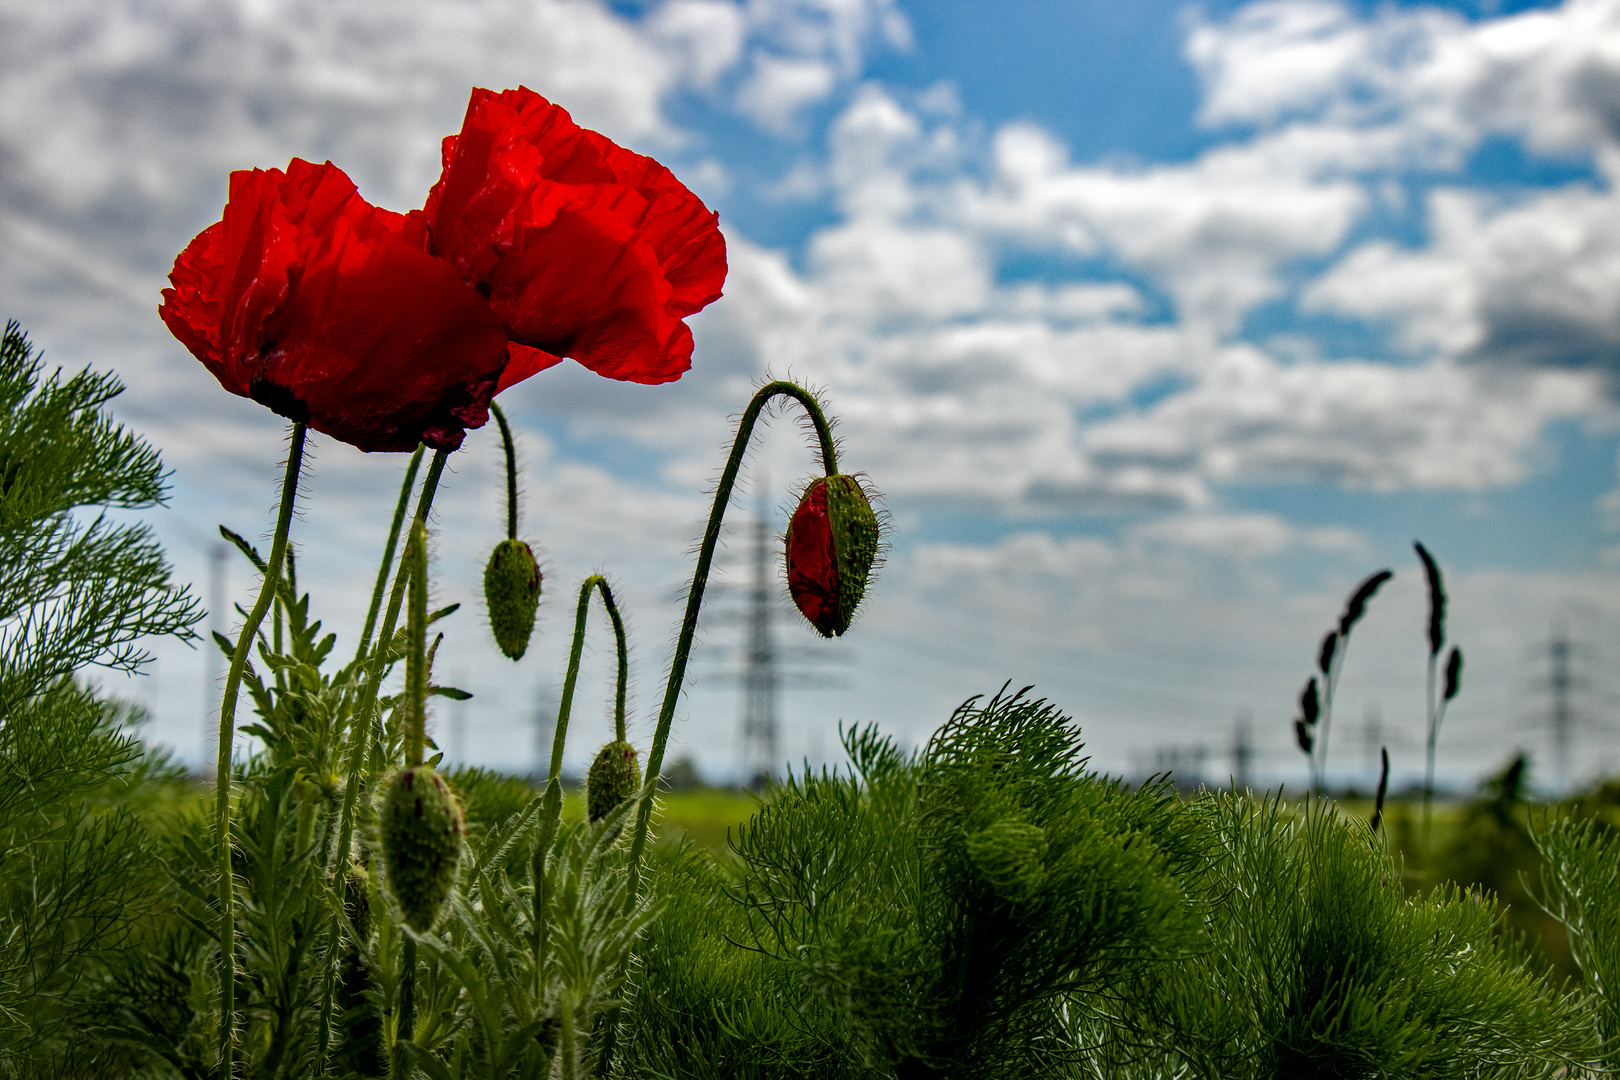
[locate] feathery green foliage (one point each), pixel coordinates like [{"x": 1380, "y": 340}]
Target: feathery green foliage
[
  {"x": 1582, "y": 890},
  {"x": 73, "y": 591},
  {"x": 1318, "y": 965}
]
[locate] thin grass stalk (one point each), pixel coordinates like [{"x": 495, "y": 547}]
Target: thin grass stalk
[{"x": 227, "y": 739}]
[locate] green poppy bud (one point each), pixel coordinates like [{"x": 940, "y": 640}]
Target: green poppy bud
[
  {"x": 832, "y": 542},
  {"x": 1011, "y": 856},
  {"x": 421, "y": 841},
  {"x": 615, "y": 776},
  {"x": 512, "y": 592}
]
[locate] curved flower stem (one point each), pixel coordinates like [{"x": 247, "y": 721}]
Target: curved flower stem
[
  {"x": 566, "y": 706},
  {"x": 227, "y": 738},
  {"x": 694, "y": 602},
  {"x": 511, "y": 472},
  {"x": 700, "y": 580}
]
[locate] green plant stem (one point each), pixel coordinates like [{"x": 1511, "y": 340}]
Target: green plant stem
[
  {"x": 339, "y": 852},
  {"x": 511, "y": 472},
  {"x": 407, "y": 991},
  {"x": 566, "y": 706},
  {"x": 360, "y": 732},
  {"x": 694, "y": 603},
  {"x": 360, "y": 727},
  {"x": 227, "y": 739},
  {"x": 416, "y": 648},
  {"x": 392, "y": 546}
]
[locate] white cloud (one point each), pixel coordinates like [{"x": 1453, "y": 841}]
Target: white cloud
[
  {"x": 779, "y": 88},
  {"x": 1532, "y": 284}
]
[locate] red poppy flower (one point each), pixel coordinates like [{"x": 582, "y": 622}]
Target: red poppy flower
[
  {"x": 583, "y": 248},
  {"x": 330, "y": 311}
]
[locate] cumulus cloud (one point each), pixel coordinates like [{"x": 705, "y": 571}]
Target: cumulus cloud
[{"x": 1134, "y": 368}]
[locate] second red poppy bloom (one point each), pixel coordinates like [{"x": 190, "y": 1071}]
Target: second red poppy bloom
[{"x": 583, "y": 249}]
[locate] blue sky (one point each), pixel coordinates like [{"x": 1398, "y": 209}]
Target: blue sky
[{"x": 1159, "y": 325}]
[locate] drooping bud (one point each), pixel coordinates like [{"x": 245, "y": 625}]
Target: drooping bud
[
  {"x": 421, "y": 840},
  {"x": 512, "y": 592},
  {"x": 832, "y": 542},
  {"x": 615, "y": 776}
]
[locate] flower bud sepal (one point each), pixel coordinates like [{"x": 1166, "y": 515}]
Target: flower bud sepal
[{"x": 833, "y": 541}]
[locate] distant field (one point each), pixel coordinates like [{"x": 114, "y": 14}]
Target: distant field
[{"x": 702, "y": 815}]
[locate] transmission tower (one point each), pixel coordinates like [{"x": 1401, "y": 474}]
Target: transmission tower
[
  {"x": 1242, "y": 749},
  {"x": 1562, "y": 684},
  {"x": 760, "y": 680}
]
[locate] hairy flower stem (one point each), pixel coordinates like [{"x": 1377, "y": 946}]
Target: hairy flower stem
[
  {"x": 389, "y": 549},
  {"x": 360, "y": 725},
  {"x": 360, "y": 735},
  {"x": 416, "y": 676},
  {"x": 227, "y": 738},
  {"x": 415, "y": 723},
  {"x": 694, "y": 602},
  {"x": 565, "y": 707},
  {"x": 511, "y": 471}
]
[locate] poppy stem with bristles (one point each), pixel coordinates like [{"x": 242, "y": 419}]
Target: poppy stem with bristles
[
  {"x": 565, "y": 707},
  {"x": 694, "y": 603},
  {"x": 416, "y": 675},
  {"x": 365, "y": 707},
  {"x": 360, "y": 732},
  {"x": 511, "y": 472},
  {"x": 227, "y": 739}
]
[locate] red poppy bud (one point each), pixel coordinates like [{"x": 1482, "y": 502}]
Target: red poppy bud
[
  {"x": 421, "y": 842},
  {"x": 331, "y": 312},
  {"x": 512, "y": 592},
  {"x": 832, "y": 542},
  {"x": 583, "y": 248},
  {"x": 615, "y": 776}
]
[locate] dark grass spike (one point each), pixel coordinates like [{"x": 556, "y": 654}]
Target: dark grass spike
[
  {"x": 1357, "y": 605},
  {"x": 1310, "y": 701},
  {"x": 1454, "y": 666},
  {"x": 1302, "y": 735},
  {"x": 1437, "y": 599},
  {"x": 1324, "y": 658},
  {"x": 1383, "y": 789}
]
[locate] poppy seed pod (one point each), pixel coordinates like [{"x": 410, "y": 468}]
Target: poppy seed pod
[
  {"x": 512, "y": 591},
  {"x": 832, "y": 542},
  {"x": 615, "y": 776},
  {"x": 421, "y": 841}
]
